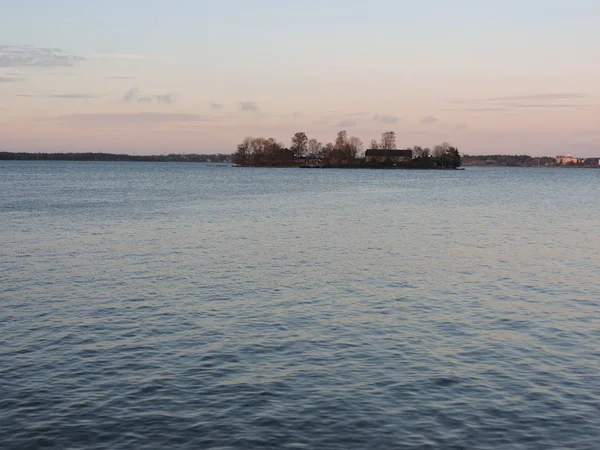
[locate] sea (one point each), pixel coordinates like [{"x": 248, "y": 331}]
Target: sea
[{"x": 195, "y": 306}]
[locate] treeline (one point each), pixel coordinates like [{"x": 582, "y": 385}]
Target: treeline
[
  {"x": 269, "y": 152},
  {"x": 345, "y": 151},
  {"x": 216, "y": 158},
  {"x": 520, "y": 161}
]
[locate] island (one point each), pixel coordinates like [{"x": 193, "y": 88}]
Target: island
[{"x": 346, "y": 152}]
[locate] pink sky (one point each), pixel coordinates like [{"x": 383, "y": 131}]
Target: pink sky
[{"x": 489, "y": 82}]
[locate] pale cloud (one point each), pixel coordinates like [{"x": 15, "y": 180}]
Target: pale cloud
[
  {"x": 248, "y": 106},
  {"x": 385, "y": 119},
  {"x": 347, "y": 123},
  {"x": 515, "y": 102},
  {"x": 214, "y": 105},
  {"x": 125, "y": 56},
  {"x": 63, "y": 96},
  {"x": 460, "y": 127},
  {"x": 484, "y": 109},
  {"x": 30, "y": 56},
  {"x": 133, "y": 95},
  {"x": 428, "y": 120},
  {"x": 544, "y": 96},
  {"x": 167, "y": 98},
  {"x": 11, "y": 79},
  {"x": 423, "y": 133},
  {"x": 104, "y": 119},
  {"x": 119, "y": 78},
  {"x": 540, "y": 105}
]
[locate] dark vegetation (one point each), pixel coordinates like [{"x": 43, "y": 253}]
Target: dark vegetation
[
  {"x": 346, "y": 151},
  {"x": 521, "y": 161},
  {"x": 215, "y": 158}
]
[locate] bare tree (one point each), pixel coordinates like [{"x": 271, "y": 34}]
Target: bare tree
[
  {"x": 244, "y": 150},
  {"x": 374, "y": 145},
  {"x": 314, "y": 148},
  {"x": 327, "y": 151},
  {"x": 341, "y": 141},
  {"x": 260, "y": 151},
  {"x": 447, "y": 156},
  {"x": 355, "y": 147},
  {"x": 440, "y": 150},
  {"x": 299, "y": 144},
  {"x": 388, "y": 140},
  {"x": 420, "y": 152}
]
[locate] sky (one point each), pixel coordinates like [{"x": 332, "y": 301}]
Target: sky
[{"x": 197, "y": 76}]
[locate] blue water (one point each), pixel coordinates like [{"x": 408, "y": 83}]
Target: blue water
[{"x": 184, "y": 306}]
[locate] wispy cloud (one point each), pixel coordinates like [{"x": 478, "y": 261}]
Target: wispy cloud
[
  {"x": 63, "y": 96},
  {"x": 214, "y": 105},
  {"x": 167, "y": 98},
  {"x": 30, "y": 56},
  {"x": 515, "y": 102},
  {"x": 11, "y": 79},
  {"x": 518, "y": 98},
  {"x": 540, "y": 105},
  {"x": 428, "y": 120},
  {"x": 119, "y": 78},
  {"x": 133, "y": 95},
  {"x": 99, "y": 119},
  {"x": 423, "y": 133},
  {"x": 484, "y": 109},
  {"x": 347, "y": 123},
  {"x": 382, "y": 118},
  {"x": 125, "y": 56},
  {"x": 248, "y": 106},
  {"x": 459, "y": 127}
]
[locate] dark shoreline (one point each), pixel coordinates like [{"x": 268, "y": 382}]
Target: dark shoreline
[
  {"x": 97, "y": 156},
  {"x": 218, "y": 158}
]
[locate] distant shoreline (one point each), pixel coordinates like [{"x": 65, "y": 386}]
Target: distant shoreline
[
  {"x": 216, "y": 158},
  {"x": 525, "y": 161}
]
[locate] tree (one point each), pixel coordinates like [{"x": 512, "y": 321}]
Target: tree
[
  {"x": 299, "y": 144},
  {"x": 421, "y": 158},
  {"x": 341, "y": 141},
  {"x": 388, "y": 141},
  {"x": 447, "y": 156},
  {"x": 327, "y": 151},
  {"x": 242, "y": 155},
  {"x": 355, "y": 147},
  {"x": 314, "y": 148},
  {"x": 260, "y": 151},
  {"x": 374, "y": 145},
  {"x": 420, "y": 152},
  {"x": 439, "y": 150}
]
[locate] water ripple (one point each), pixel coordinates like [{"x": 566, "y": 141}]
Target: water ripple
[{"x": 175, "y": 306}]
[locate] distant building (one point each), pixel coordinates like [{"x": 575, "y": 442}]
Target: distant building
[
  {"x": 568, "y": 159},
  {"x": 381, "y": 156}
]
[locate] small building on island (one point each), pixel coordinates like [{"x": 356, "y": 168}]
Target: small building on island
[
  {"x": 394, "y": 156},
  {"x": 568, "y": 160}
]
